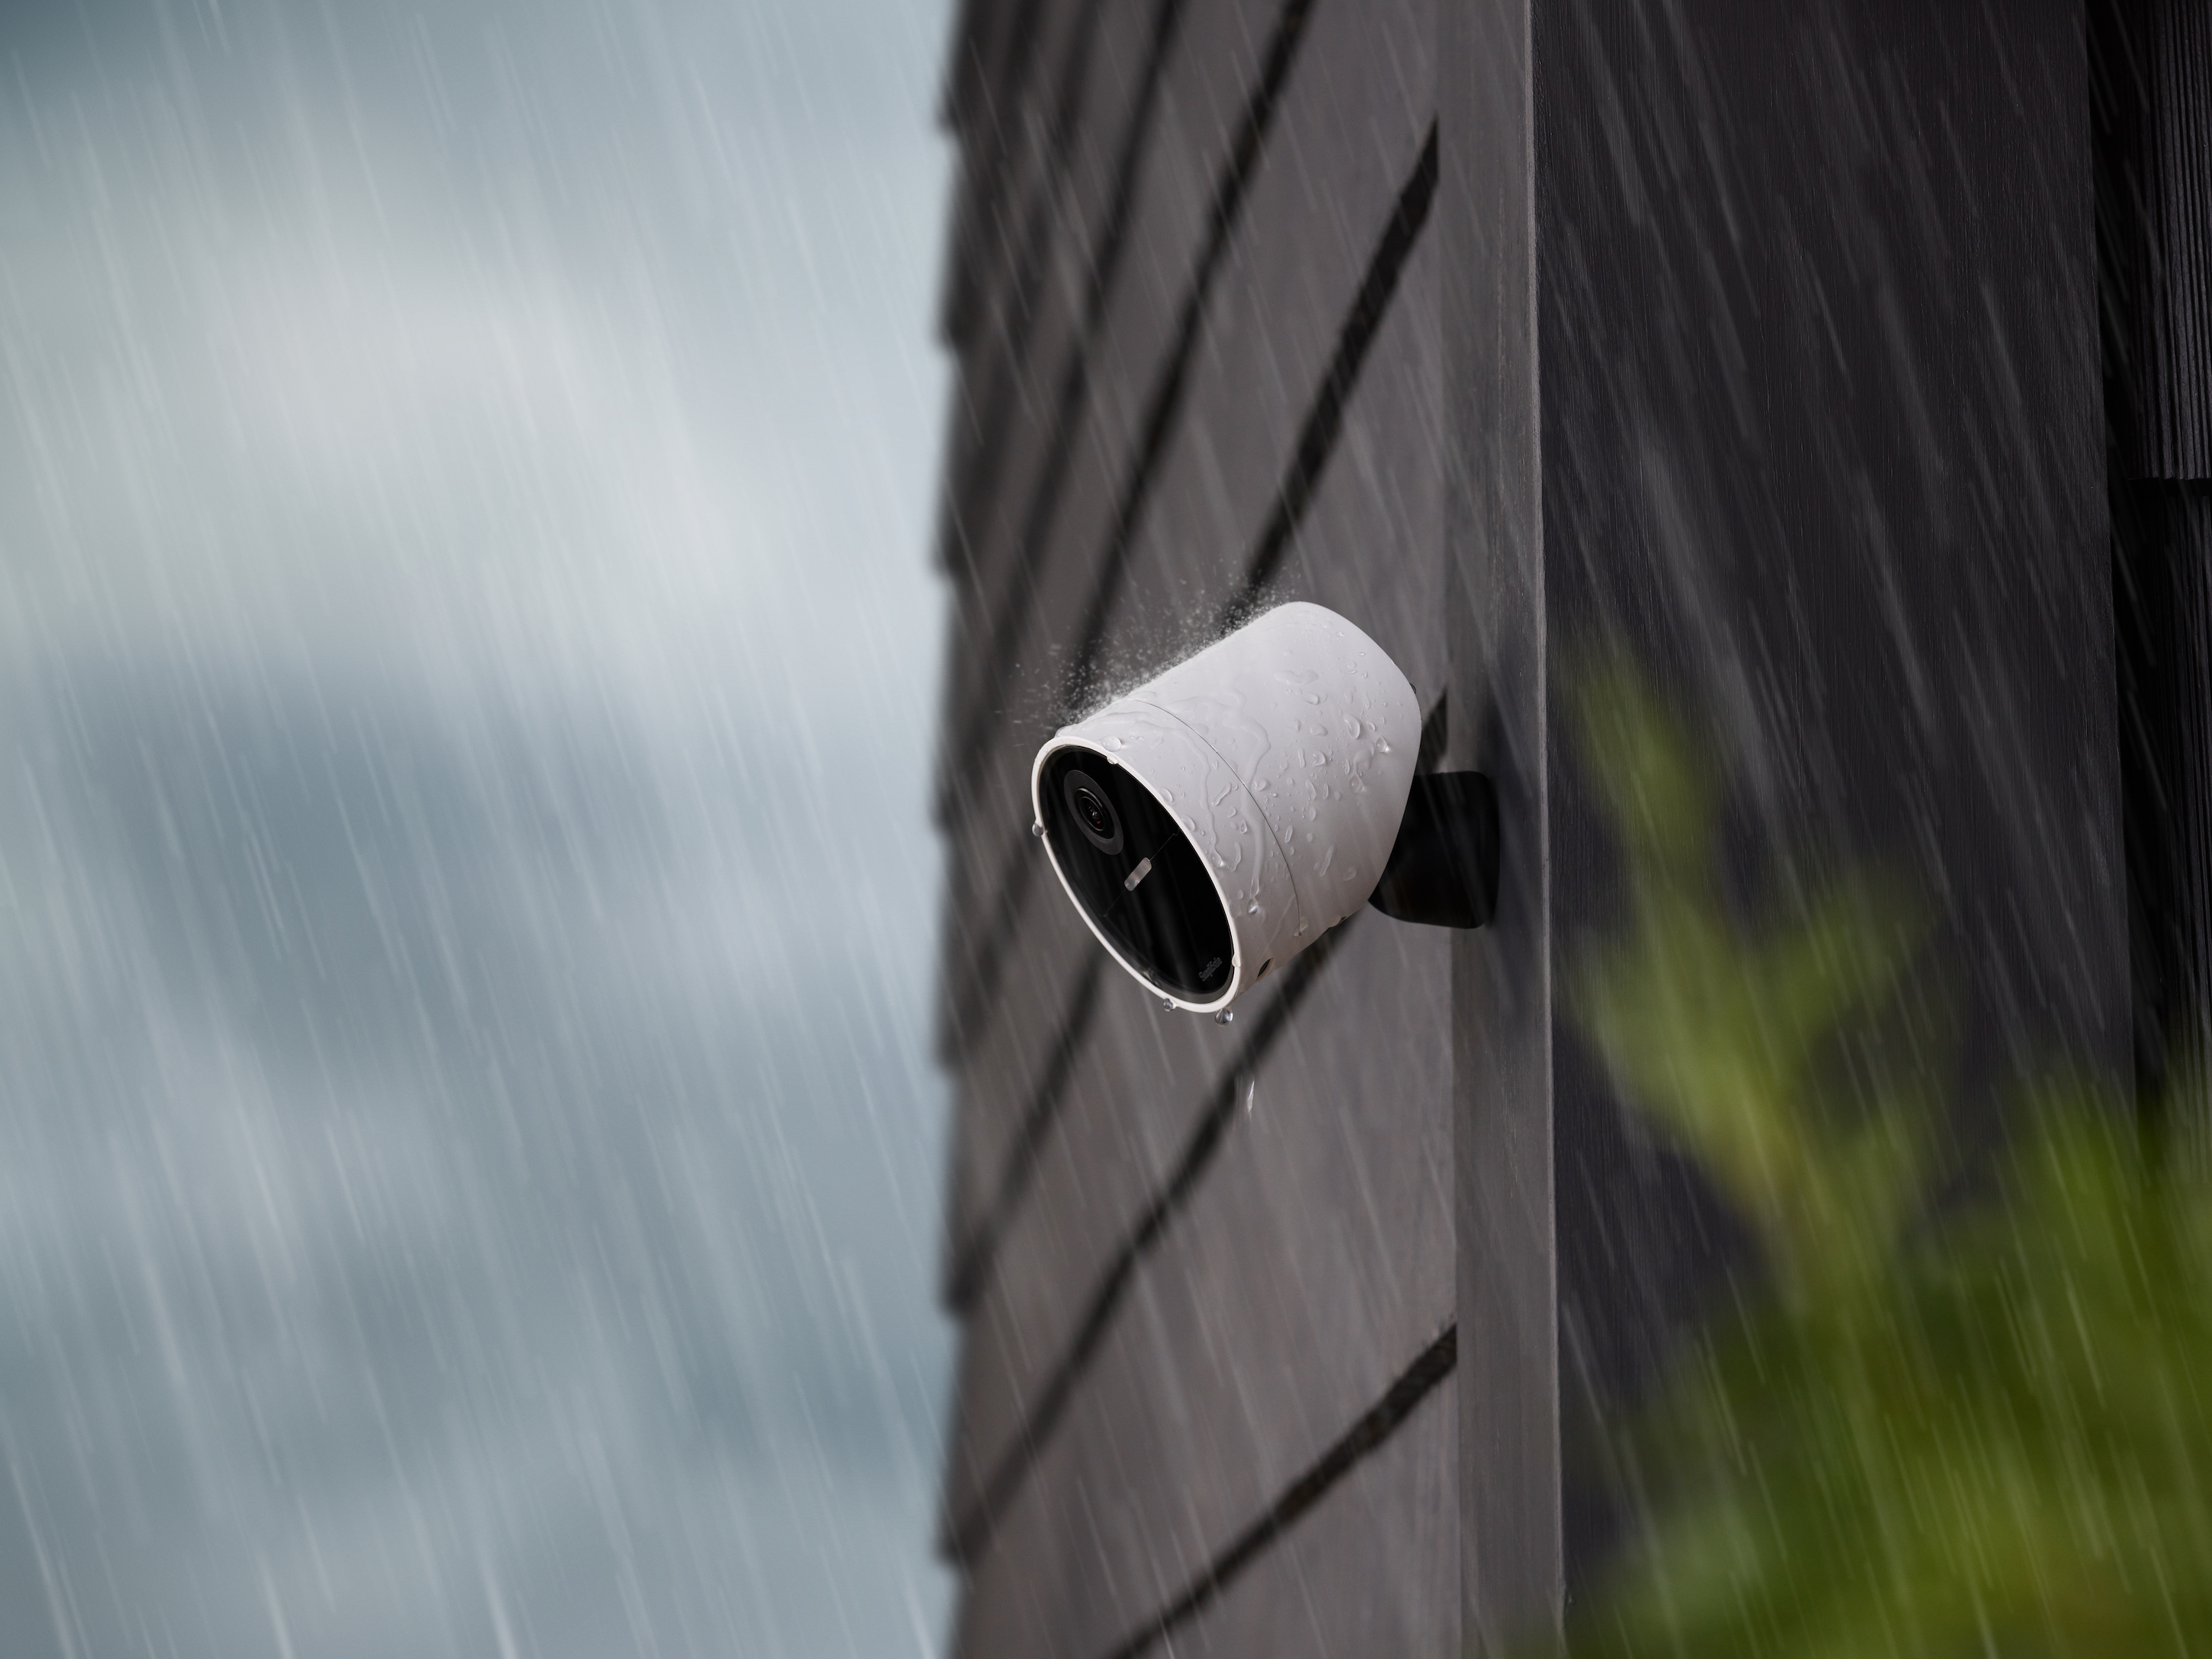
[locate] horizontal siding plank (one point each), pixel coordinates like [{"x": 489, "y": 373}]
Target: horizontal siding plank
[
  {"x": 1207, "y": 83},
  {"x": 1313, "y": 1262},
  {"x": 1221, "y": 511},
  {"x": 1373, "y": 553},
  {"x": 1129, "y": 1409},
  {"x": 979, "y": 818},
  {"x": 989, "y": 63},
  {"x": 1371, "y": 545},
  {"x": 1373, "y": 1571},
  {"x": 1131, "y": 1098},
  {"x": 988, "y": 258},
  {"x": 1119, "y": 134},
  {"x": 1352, "y": 130},
  {"x": 998, "y": 1082},
  {"x": 1010, "y": 372}
]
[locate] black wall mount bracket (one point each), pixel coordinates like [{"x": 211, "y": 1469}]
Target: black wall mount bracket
[{"x": 1443, "y": 870}]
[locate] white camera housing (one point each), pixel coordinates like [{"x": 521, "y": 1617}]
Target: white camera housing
[{"x": 1218, "y": 819}]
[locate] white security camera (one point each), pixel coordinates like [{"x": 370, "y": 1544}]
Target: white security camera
[{"x": 1219, "y": 818}]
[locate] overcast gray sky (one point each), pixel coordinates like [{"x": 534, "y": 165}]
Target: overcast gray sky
[{"x": 468, "y": 1158}]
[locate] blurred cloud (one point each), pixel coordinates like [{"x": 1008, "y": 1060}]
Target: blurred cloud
[{"x": 468, "y": 1159}]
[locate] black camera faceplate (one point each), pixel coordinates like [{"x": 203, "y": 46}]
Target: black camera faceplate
[{"x": 1171, "y": 926}]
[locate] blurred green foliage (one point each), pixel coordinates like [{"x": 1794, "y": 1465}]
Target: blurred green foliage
[{"x": 1984, "y": 1430}]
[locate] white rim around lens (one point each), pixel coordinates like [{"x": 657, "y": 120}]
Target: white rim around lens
[{"x": 1221, "y": 896}]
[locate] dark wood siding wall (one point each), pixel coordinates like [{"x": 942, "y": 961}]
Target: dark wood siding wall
[
  {"x": 1761, "y": 340},
  {"x": 1205, "y": 1274}
]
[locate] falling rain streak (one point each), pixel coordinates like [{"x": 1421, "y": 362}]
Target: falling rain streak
[{"x": 469, "y": 1155}]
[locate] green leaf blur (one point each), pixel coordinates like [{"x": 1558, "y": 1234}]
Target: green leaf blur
[{"x": 1977, "y": 1431}]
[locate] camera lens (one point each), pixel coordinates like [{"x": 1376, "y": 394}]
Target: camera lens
[{"x": 1094, "y": 813}]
